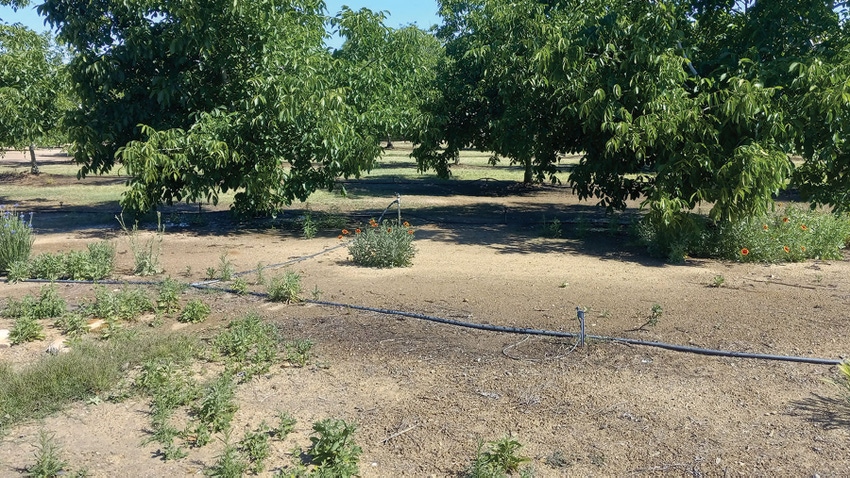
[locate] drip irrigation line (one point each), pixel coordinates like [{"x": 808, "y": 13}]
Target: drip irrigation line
[{"x": 555, "y": 333}]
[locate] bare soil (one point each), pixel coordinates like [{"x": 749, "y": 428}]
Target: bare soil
[{"x": 423, "y": 393}]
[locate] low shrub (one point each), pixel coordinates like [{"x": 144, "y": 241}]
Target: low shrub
[{"x": 382, "y": 245}]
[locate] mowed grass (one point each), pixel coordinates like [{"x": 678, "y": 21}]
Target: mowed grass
[{"x": 89, "y": 369}]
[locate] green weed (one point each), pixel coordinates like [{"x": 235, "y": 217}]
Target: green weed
[
  {"x": 88, "y": 368},
  {"x": 25, "y": 329},
  {"x": 169, "y": 295},
  {"x": 145, "y": 254},
  {"x": 551, "y": 229},
  {"x": 48, "y": 462},
  {"x": 228, "y": 464},
  {"x": 249, "y": 346},
  {"x": 285, "y": 425},
  {"x": 225, "y": 268},
  {"x": 240, "y": 286},
  {"x": 48, "y": 304},
  {"x": 382, "y": 245},
  {"x": 216, "y": 406},
  {"x": 196, "y": 311},
  {"x": 16, "y": 237},
  {"x": 309, "y": 228},
  {"x": 254, "y": 446},
  {"x": 333, "y": 449},
  {"x": 298, "y": 352},
  {"x": 284, "y": 288},
  {"x": 718, "y": 281},
  {"x": 72, "y": 325},
  {"x": 128, "y": 303},
  {"x": 496, "y": 459}
]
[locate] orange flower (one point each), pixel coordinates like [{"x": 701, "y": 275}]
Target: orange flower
[
  {"x": 803, "y": 227},
  {"x": 764, "y": 227},
  {"x": 786, "y": 249},
  {"x": 389, "y": 229},
  {"x": 345, "y": 232},
  {"x": 745, "y": 251},
  {"x": 803, "y": 248},
  {"x": 785, "y": 219},
  {"x": 339, "y": 237},
  {"x": 357, "y": 231},
  {"x": 410, "y": 231},
  {"x": 373, "y": 223},
  {"x": 406, "y": 224}
]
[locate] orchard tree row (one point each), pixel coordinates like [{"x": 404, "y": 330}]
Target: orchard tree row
[{"x": 676, "y": 102}]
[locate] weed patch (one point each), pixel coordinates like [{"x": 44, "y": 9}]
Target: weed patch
[
  {"x": 248, "y": 346},
  {"x": 16, "y": 237},
  {"x": 88, "y": 369},
  {"x": 285, "y": 288},
  {"x": 382, "y": 245}
]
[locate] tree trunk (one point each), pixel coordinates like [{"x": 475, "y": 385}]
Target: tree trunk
[
  {"x": 528, "y": 177},
  {"x": 389, "y": 143},
  {"x": 34, "y": 165}
]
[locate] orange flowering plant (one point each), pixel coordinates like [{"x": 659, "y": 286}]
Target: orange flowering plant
[{"x": 382, "y": 245}]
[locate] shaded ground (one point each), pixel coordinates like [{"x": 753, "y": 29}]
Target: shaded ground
[{"x": 607, "y": 409}]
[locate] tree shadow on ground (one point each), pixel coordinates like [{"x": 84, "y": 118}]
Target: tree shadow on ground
[
  {"x": 389, "y": 185},
  {"x": 829, "y": 412}
]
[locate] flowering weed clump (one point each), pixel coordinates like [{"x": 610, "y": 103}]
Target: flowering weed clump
[
  {"x": 792, "y": 235},
  {"x": 388, "y": 244},
  {"x": 16, "y": 237}
]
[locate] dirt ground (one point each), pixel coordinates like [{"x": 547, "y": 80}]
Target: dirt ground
[{"x": 423, "y": 393}]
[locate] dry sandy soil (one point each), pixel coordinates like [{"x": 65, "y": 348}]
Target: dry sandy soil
[{"x": 423, "y": 393}]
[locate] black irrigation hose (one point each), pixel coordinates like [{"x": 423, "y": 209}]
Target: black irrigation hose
[{"x": 553, "y": 333}]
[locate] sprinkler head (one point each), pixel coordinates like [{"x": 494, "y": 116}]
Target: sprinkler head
[{"x": 580, "y": 313}]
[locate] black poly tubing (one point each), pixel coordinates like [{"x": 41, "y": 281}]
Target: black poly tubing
[{"x": 553, "y": 333}]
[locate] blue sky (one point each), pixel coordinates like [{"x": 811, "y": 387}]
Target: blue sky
[{"x": 401, "y": 12}]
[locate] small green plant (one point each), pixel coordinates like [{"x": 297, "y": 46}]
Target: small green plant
[
  {"x": 285, "y": 425},
  {"x": 284, "y": 288},
  {"x": 718, "y": 281},
  {"x": 48, "y": 463},
  {"x": 551, "y": 228},
  {"x": 496, "y": 458},
  {"x": 169, "y": 295},
  {"x": 225, "y": 268},
  {"x": 309, "y": 228},
  {"x": 196, "y": 311},
  {"x": 652, "y": 319},
  {"x": 16, "y": 237},
  {"x": 333, "y": 449},
  {"x": 255, "y": 448},
  {"x": 25, "y": 329},
  {"x": 298, "y": 352},
  {"x": 261, "y": 277},
  {"x": 249, "y": 346},
  {"x": 128, "y": 303},
  {"x": 216, "y": 407},
  {"x": 229, "y": 464},
  {"x": 145, "y": 254},
  {"x": 72, "y": 325},
  {"x": 240, "y": 286},
  {"x": 384, "y": 245},
  {"x": 49, "y": 304},
  {"x": 211, "y": 273},
  {"x": 316, "y": 293}
]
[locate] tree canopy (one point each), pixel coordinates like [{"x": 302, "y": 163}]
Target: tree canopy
[
  {"x": 196, "y": 98},
  {"x": 33, "y": 90},
  {"x": 676, "y": 102}
]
